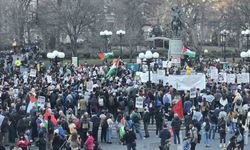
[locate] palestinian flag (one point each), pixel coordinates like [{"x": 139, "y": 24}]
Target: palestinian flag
[
  {"x": 105, "y": 55},
  {"x": 113, "y": 68},
  {"x": 188, "y": 52},
  {"x": 178, "y": 108},
  {"x": 33, "y": 103},
  {"x": 47, "y": 114}
]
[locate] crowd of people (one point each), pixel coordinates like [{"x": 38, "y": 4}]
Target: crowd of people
[{"x": 83, "y": 107}]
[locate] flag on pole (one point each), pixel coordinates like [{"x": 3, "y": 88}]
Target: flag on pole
[
  {"x": 188, "y": 52},
  {"x": 105, "y": 55},
  {"x": 113, "y": 68},
  {"x": 33, "y": 103},
  {"x": 178, "y": 108}
]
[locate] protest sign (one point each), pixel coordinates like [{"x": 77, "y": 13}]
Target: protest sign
[
  {"x": 222, "y": 77},
  {"x": 231, "y": 78},
  {"x": 213, "y": 73},
  {"x": 1, "y": 119},
  {"x": 133, "y": 67},
  {"x": 192, "y": 92},
  {"x": 33, "y": 72},
  {"x": 243, "y": 78},
  {"x": 75, "y": 61},
  {"x": 164, "y": 64},
  {"x": 139, "y": 103},
  {"x": 41, "y": 101},
  {"x": 49, "y": 79}
]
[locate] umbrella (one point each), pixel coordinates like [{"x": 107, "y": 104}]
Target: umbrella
[{"x": 209, "y": 98}]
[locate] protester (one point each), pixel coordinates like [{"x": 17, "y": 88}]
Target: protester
[{"x": 130, "y": 138}]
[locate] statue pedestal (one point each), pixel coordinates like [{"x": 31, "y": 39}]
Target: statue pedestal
[{"x": 175, "y": 47}]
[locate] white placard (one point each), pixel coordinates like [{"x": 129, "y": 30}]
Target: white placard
[
  {"x": 49, "y": 79},
  {"x": 1, "y": 119},
  {"x": 33, "y": 72},
  {"x": 222, "y": 77},
  {"x": 139, "y": 102},
  {"x": 164, "y": 64},
  {"x": 41, "y": 101},
  {"x": 243, "y": 78},
  {"x": 100, "y": 102},
  {"x": 192, "y": 92},
  {"x": 231, "y": 78},
  {"x": 213, "y": 73}
]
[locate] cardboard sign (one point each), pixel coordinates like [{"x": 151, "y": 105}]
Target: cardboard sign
[
  {"x": 33, "y": 72},
  {"x": 41, "y": 101}
]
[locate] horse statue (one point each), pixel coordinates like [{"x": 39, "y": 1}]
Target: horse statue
[{"x": 176, "y": 23}]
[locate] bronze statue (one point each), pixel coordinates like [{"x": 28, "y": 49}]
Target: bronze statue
[{"x": 176, "y": 23}]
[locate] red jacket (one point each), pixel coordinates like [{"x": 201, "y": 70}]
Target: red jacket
[
  {"x": 23, "y": 144},
  {"x": 89, "y": 142}
]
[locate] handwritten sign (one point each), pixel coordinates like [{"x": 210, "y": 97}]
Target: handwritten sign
[{"x": 41, "y": 101}]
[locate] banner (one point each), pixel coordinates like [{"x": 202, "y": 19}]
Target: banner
[
  {"x": 161, "y": 72},
  {"x": 243, "y": 78},
  {"x": 33, "y": 72},
  {"x": 186, "y": 82},
  {"x": 231, "y": 78},
  {"x": 179, "y": 82}
]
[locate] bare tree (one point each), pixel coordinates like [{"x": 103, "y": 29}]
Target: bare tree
[{"x": 73, "y": 17}]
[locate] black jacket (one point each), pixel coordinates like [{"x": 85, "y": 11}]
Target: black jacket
[
  {"x": 130, "y": 137},
  {"x": 164, "y": 135},
  {"x": 176, "y": 124}
]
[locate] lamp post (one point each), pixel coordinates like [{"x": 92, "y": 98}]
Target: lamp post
[
  {"x": 106, "y": 35},
  {"x": 224, "y": 34},
  {"x": 148, "y": 57},
  {"x": 56, "y": 55},
  {"x": 246, "y": 56},
  {"x": 246, "y": 33},
  {"x": 120, "y": 33}
]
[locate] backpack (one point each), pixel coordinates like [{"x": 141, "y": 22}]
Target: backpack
[
  {"x": 85, "y": 125},
  {"x": 207, "y": 127},
  {"x": 136, "y": 118},
  {"x": 158, "y": 103},
  {"x": 105, "y": 124},
  {"x": 238, "y": 102}
]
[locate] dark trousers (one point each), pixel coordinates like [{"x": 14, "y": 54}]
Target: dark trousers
[
  {"x": 158, "y": 128},
  {"x": 103, "y": 134},
  {"x": 176, "y": 136},
  {"x": 193, "y": 146},
  {"x": 131, "y": 146},
  {"x": 95, "y": 133},
  {"x": 146, "y": 129}
]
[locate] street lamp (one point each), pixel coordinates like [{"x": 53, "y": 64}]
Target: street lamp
[
  {"x": 55, "y": 55},
  {"x": 148, "y": 57},
  {"x": 120, "y": 33},
  {"x": 246, "y": 33},
  {"x": 224, "y": 34},
  {"x": 106, "y": 35},
  {"x": 246, "y": 55}
]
